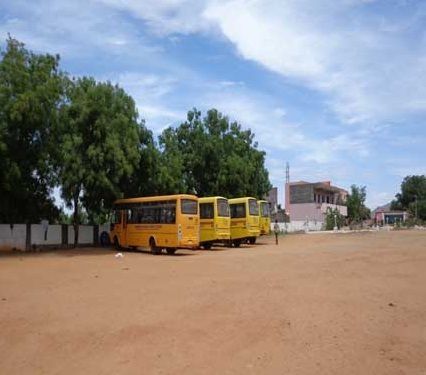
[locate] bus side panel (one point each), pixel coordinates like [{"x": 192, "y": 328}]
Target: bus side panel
[{"x": 165, "y": 235}]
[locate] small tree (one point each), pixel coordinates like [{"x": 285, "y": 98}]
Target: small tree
[
  {"x": 333, "y": 218},
  {"x": 357, "y": 211}
]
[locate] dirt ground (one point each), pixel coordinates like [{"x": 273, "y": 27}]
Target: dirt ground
[{"x": 314, "y": 304}]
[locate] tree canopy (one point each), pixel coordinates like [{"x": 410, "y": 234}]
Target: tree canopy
[
  {"x": 98, "y": 139},
  {"x": 86, "y": 138},
  {"x": 412, "y": 196},
  {"x": 31, "y": 90},
  {"x": 213, "y": 156}
]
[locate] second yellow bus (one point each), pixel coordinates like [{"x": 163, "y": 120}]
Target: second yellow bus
[
  {"x": 214, "y": 221},
  {"x": 264, "y": 218}
]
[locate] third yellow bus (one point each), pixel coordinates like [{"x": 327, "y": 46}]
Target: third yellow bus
[{"x": 244, "y": 220}]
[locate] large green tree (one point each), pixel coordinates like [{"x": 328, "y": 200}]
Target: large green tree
[
  {"x": 213, "y": 156},
  {"x": 412, "y": 196},
  {"x": 98, "y": 139},
  {"x": 357, "y": 211},
  {"x": 31, "y": 90},
  {"x": 156, "y": 173}
]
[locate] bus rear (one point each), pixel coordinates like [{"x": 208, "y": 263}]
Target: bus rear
[
  {"x": 244, "y": 220},
  {"x": 188, "y": 223},
  {"x": 214, "y": 221},
  {"x": 264, "y": 218}
]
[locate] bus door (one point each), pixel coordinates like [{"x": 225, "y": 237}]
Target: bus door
[{"x": 125, "y": 230}]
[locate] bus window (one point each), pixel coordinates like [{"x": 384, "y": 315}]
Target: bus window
[
  {"x": 253, "y": 207},
  {"x": 116, "y": 217},
  {"x": 206, "y": 211},
  {"x": 222, "y": 208},
  {"x": 238, "y": 210},
  {"x": 189, "y": 206}
]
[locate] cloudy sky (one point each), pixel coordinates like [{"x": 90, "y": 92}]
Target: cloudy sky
[{"x": 336, "y": 88}]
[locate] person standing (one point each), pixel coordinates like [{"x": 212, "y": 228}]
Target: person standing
[{"x": 276, "y": 231}]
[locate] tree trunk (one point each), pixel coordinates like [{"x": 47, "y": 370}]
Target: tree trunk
[{"x": 75, "y": 218}]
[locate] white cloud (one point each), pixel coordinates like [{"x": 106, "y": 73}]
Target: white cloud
[
  {"x": 365, "y": 62},
  {"x": 276, "y": 133},
  {"x": 368, "y": 73},
  {"x": 166, "y": 16},
  {"x": 73, "y": 29}
]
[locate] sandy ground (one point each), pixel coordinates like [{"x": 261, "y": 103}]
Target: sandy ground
[{"x": 315, "y": 304}]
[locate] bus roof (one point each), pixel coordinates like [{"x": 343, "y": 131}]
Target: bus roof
[
  {"x": 240, "y": 200},
  {"x": 155, "y": 198},
  {"x": 210, "y": 199}
]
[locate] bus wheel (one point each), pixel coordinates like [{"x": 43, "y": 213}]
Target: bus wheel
[
  {"x": 252, "y": 240},
  {"x": 116, "y": 244},
  {"x": 170, "y": 250},
  {"x": 207, "y": 246},
  {"x": 154, "y": 249},
  {"x": 237, "y": 243}
]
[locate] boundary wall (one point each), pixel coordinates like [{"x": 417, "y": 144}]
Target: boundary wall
[
  {"x": 26, "y": 237},
  {"x": 298, "y": 226}
]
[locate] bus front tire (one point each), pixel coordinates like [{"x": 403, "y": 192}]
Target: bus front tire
[
  {"x": 154, "y": 249},
  {"x": 116, "y": 244}
]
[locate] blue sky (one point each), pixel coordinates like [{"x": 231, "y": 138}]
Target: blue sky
[{"x": 336, "y": 88}]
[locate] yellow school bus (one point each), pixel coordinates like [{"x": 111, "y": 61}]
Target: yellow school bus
[
  {"x": 244, "y": 220},
  {"x": 214, "y": 221},
  {"x": 162, "y": 222},
  {"x": 264, "y": 218}
]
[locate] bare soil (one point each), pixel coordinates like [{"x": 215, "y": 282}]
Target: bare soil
[{"x": 314, "y": 304}]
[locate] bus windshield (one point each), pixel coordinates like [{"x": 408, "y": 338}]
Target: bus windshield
[
  {"x": 189, "y": 206},
  {"x": 253, "y": 208},
  {"x": 222, "y": 207}
]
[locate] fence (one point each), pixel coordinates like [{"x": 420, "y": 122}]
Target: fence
[{"x": 25, "y": 237}]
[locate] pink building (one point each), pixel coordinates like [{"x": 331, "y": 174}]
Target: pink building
[
  {"x": 384, "y": 215},
  {"x": 309, "y": 201}
]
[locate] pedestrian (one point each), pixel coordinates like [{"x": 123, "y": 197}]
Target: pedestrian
[{"x": 276, "y": 231}]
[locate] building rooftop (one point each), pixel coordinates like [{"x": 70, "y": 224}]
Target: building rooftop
[{"x": 324, "y": 185}]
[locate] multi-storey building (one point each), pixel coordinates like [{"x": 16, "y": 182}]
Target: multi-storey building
[{"x": 307, "y": 201}]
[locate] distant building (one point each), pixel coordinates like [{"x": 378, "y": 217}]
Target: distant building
[
  {"x": 384, "y": 215},
  {"x": 272, "y": 199},
  {"x": 307, "y": 201}
]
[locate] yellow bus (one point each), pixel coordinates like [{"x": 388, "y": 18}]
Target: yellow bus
[
  {"x": 244, "y": 220},
  {"x": 162, "y": 222},
  {"x": 214, "y": 221},
  {"x": 264, "y": 218}
]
